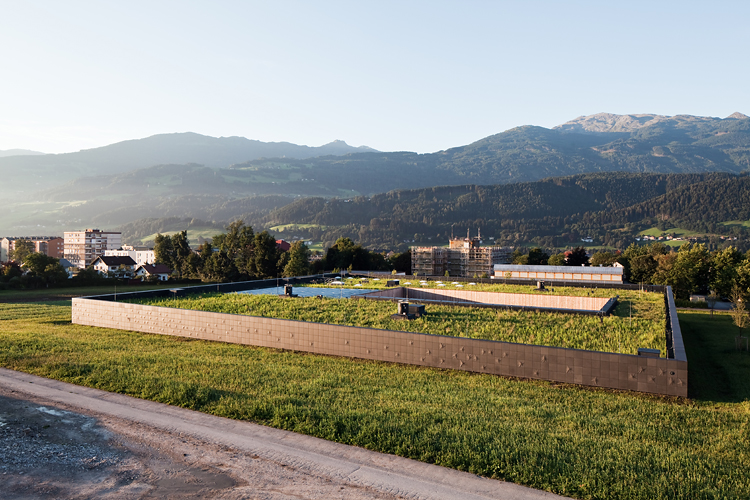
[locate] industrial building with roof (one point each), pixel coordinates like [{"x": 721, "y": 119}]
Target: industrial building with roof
[{"x": 580, "y": 274}]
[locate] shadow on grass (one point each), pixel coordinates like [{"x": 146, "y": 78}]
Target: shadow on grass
[{"x": 718, "y": 372}]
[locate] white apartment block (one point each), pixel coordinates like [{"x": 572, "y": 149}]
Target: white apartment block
[
  {"x": 83, "y": 247},
  {"x": 141, "y": 255}
]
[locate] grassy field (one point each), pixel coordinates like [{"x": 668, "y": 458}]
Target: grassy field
[
  {"x": 655, "y": 231},
  {"x": 42, "y": 294},
  {"x": 193, "y": 234},
  {"x": 584, "y": 443},
  {"x": 448, "y": 284},
  {"x": 295, "y": 227},
  {"x": 740, "y": 223},
  {"x": 615, "y": 333}
]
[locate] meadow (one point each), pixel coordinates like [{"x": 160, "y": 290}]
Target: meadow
[
  {"x": 579, "y": 442},
  {"x": 619, "y": 332}
]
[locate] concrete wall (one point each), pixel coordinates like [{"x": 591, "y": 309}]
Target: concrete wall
[
  {"x": 616, "y": 371},
  {"x": 539, "y": 300}
]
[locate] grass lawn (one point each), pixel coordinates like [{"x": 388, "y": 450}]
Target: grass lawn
[
  {"x": 655, "y": 231},
  {"x": 741, "y": 223},
  {"x": 615, "y": 333},
  {"x": 584, "y": 443},
  {"x": 43, "y": 294},
  {"x": 193, "y": 234}
]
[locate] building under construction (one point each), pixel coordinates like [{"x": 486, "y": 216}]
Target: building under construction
[{"x": 464, "y": 257}]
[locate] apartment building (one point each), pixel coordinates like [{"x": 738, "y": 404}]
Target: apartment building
[
  {"x": 52, "y": 246},
  {"x": 83, "y": 247},
  {"x": 141, "y": 255},
  {"x": 464, "y": 257}
]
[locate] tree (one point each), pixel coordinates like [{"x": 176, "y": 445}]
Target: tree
[
  {"x": 238, "y": 243},
  {"x": 45, "y": 270},
  {"x": 22, "y": 249},
  {"x": 401, "y": 262},
  {"x": 265, "y": 256},
  {"x": 537, "y": 257},
  {"x": 691, "y": 269},
  {"x": 182, "y": 250},
  {"x": 641, "y": 268},
  {"x": 723, "y": 275},
  {"x": 739, "y": 314},
  {"x": 10, "y": 270},
  {"x": 518, "y": 257},
  {"x": 576, "y": 257},
  {"x": 557, "y": 260},
  {"x": 216, "y": 267},
  {"x": 164, "y": 251},
  {"x": 603, "y": 258},
  {"x": 299, "y": 260}
]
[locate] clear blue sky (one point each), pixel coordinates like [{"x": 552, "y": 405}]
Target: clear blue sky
[{"x": 417, "y": 76}]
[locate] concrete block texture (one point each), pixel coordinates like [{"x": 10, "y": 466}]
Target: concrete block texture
[
  {"x": 608, "y": 370},
  {"x": 539, "y": 300}
]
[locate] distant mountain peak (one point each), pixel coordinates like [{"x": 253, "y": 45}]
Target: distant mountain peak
[
  {"x": 609, "y": 122},
  {"x": 24, "y": 152},
  {"x": 339, "y": 145}
]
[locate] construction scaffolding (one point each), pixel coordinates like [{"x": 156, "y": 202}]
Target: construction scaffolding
[{"x": 464, "y": 257}]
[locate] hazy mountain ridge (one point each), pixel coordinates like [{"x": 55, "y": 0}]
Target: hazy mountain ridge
[
  {"x": 33, "y": 173},
  {"x": 19, "y": 152},
  {"x": 681, "y": 144},
  {"x": 611, "y": 207},
  {"x": 609, "y": 122}
]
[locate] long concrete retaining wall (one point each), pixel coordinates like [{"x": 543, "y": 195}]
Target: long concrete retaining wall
[
  {"x": 539, "y": 301},
  {"x": 599, "y": 369}
]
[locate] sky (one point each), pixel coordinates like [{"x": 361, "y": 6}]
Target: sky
[{"x": 395, "y": 76}]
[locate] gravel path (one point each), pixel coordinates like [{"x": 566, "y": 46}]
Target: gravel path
[{"x": 59, "y": 440}]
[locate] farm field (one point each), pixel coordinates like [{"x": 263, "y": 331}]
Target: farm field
[
  {"x": 193, "y": 234},
  {"x": 583, "y": 443},
  {"x": 655, "y": 231},
  {"x": 740, "y": 223},
  {"x": 616, "y": 333}
]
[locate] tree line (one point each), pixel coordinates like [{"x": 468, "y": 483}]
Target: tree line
[
  {"x": 241, "y": 254},
  {"x": 690, "y": 269}
]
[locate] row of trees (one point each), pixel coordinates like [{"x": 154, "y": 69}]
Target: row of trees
[
  {"x": 241, "y": 254},
  {"x": 538, "y": 257},
  {"x": 692, "y": 268},
  {"x": 36, "y": 270}
]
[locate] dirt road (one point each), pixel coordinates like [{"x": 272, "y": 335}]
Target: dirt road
[{"x": 59, "y": 440}]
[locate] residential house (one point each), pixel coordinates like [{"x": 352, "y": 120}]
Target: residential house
[
  {"x": 160, "y": 271},
  {"x": 141, "y": 254},
  {"x": 120, "y": 267}
]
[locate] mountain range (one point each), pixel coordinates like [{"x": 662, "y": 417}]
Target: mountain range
[
  {"x": 18, "y": 152},
  {"x": 206, "y": 178}
]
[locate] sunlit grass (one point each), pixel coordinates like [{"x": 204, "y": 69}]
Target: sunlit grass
[
  {"x": 616, "y": 333},
  {"x": 583, "y": 443}
]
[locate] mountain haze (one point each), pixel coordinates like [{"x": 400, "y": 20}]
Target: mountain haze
[
  {"x": 198, "y": 176},
  {"x": 18, "y": 152},
  {"x": 33, "y": 173}
]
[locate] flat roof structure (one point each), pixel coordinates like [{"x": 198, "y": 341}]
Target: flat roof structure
[{"x": 590, "y": 274}]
